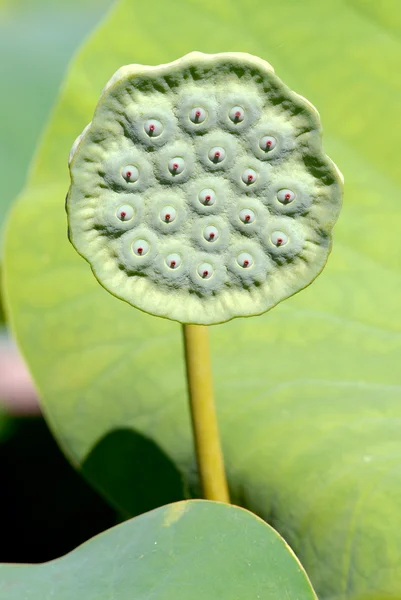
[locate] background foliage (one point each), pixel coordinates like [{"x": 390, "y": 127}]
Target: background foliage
[
  {"x": 308, "y": 394},
  {"x": 37, "y": 39},
  {"x": 46, "y": 508}
]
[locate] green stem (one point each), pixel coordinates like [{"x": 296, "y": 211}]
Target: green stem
[{"x": 204, "y": 421}]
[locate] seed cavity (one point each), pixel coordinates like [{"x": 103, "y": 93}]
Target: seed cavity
[
  {"x": 245, "y": 260},
  {"x": 125, "y": 212},
  {"x": 211, "y": 233},
  {"x": 173, "y": 261},
  {"x": 168, "y": 214},
  {"x": 176, "y": 165},
  {"x": 207, "y": 197},
  {"x": 285, "y": 196},
  {"x": 153, "y": 128},
  {"x": 267, "y": 143},
  {"x": 205, "y": 270},
  {"x": 249, "y": 176},
  {"x": 130, "y": 173},
  {"x": 237, "y": 114},
  {"x": 279, "y": 238},
  {"x": 246, "y": 215},
  {"x": 198, "y": 115},
  {"x": 140, "y": 247},
  {"x": 217, "y": 154}
]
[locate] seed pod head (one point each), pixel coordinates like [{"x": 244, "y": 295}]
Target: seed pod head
[{"x": 200, "y": 191}]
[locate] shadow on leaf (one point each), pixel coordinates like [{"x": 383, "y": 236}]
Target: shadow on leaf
[{"x": 140, "y": 474}]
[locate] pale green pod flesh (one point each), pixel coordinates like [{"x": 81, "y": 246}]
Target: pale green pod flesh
[{"x": 203, "y": 140}]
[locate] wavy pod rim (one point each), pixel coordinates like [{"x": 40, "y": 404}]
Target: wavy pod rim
[{"x": 191, "y": 301}]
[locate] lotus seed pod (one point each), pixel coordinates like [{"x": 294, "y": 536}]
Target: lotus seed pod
[{"x": 200, "y": 191}]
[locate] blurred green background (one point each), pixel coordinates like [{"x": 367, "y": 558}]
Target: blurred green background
[
  {"x": 46, "y": 508},
  {"x": 37, "y": 40}
]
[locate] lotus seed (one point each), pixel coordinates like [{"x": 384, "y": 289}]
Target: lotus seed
[
  {"x": 267, "y": 143},
  {"x": 173, "y": 261},
  {"x": 205, "y": 270},
  {"x": 125, "y": 212},
  {"x": 211, "y": 233},
  {"x": 153, "y": 127},
  {"x": 217, "y": 154},
  {"x": 237, "y": 114},
  {"x": 207, "y": 197},
  {"x": 285, "y": 196},
  {"x": 176, "y": 165},
  {"x": 279, "y": 238},
  {"x": 168, "y": 214},
  {"x": 130, "y": 173},
  {"x": 249, "y": 176},
  {"x": 245, "y": 260},
  {"x": 198, "y": 115},
  {"x": 247, "y": 216},
  {"x": 140, "y": 247}
]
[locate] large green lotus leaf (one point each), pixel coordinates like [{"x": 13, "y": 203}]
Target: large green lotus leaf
[
  {"x": 197, "y": 549},
  {"x": 308, "y": 395}
]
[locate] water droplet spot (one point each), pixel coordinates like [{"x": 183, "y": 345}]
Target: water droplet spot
[
  {"x": 125, "y": 212},
  {"x": 153, "y": 128},
  {"x": 130, "y": 173},
  {"x": 211, "y": 233},
  {"x": 246, "y": 215}
]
